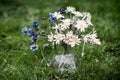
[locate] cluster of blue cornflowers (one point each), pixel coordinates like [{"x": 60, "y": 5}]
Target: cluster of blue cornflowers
[{"x": 33, "y": 33}]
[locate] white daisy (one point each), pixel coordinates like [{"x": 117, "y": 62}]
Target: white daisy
[
  {"x": 58, "y": 15},
  {"x": 65, "y": 24},
  {"x": 87, "y": 17},
  {"x": 70, "y": 9},
  {"x": 96, "y": 41},
  {"x": 81, "y": 25},
  {"x": 57, "y": 27},
  {"x": 58, "y": 37},
  {"x": 74, "y": 41},
  {"x": 86, "y": 38},
  {"x": 50, "y": 37},
  {"x": 66, "y": 39},
  {"x": 92, "y": 38},
  {"x": 68, "y": 36},
  {"x": 77, "y": 14}
]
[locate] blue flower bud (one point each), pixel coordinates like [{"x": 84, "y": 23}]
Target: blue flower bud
[
  {"x": 35, "y": 24},
  {"x": 52, "y": 19},
  {"x": 51, "y": 15},
  {"x": 34, "y": 37},
  {"x": 30, "y": 32},
  {"x": 24, "y": 30},
  {"x": 34, "y": 47},
  {"x": 62, "y": 11}
]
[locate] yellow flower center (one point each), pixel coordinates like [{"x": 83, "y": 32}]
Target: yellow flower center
[
  {"x": 58, "y": 38},
  {"x": 81, "y": 25},
  {"x": 65, "y": 24},
  {"x": 74, "y": 40}
]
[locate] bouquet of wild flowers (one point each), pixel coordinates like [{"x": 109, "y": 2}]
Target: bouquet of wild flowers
[
  {"x": 69, "y": 26},
  {"x": 68, "y": 30}
]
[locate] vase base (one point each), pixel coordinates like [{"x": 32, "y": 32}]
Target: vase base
[{"x": 64, "y": 62}]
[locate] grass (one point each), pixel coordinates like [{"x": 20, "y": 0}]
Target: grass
[{"x": 17, "y": 62}]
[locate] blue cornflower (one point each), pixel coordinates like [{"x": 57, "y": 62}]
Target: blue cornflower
[
  {"x": 34, "y": 47},
  {"x": 30, "y": 32},
  {"x": 62, "y": 11},
  {"x": 25, "y": 30},
  {"x": 51, "y": 15},
  {"x": 52, "y": 18},
  {"x": 35, "y": 23},
  {"x": 34, "y": 37}
]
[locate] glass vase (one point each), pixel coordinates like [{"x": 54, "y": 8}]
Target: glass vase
[{"x": 64, "y": 61}]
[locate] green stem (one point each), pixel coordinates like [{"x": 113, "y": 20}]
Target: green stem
[
  {"x": 70, "y": 15},
  {"x": 83, "y": 47},
  {"x": 43, "y": 55},
  {"x": 66, "y": 50}
]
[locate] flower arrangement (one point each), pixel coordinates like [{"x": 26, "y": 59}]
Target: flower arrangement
[{"x": 69, "y": 28}]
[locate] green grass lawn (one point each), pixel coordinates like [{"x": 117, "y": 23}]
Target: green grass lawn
[{"x": 17, "y": 62}]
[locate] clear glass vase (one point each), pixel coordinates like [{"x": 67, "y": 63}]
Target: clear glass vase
[{"x": 64, "y": 61}]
